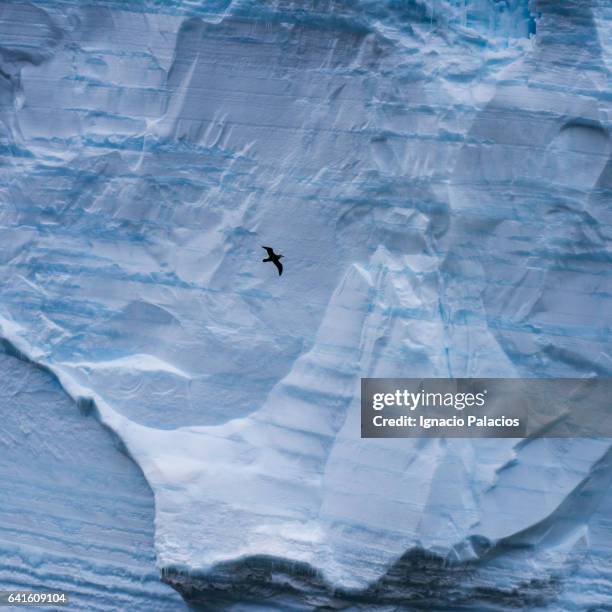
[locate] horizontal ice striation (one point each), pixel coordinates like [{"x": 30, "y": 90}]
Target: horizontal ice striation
[
  {"x": 75, "y": 513},
  {"x": 439, "y": 183}
]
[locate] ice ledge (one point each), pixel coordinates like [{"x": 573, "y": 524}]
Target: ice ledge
[{"x": 287, "y": 491}]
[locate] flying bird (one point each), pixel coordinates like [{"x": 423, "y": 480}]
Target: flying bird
[{"x": 274, "y": 258}]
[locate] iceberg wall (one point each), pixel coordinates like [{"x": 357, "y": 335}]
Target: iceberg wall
[
  {"x": 76, "y": 514},
  {"x": 438, "y": 180}
]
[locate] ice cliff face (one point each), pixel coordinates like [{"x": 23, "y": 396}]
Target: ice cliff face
[
  {"x": 439, "y": 182},
  {"x": 75, "y": 513}
]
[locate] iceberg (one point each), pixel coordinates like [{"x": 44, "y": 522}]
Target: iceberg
[
  {"x": 76, "y": 515},
  {"x": 437, "y": 174}
]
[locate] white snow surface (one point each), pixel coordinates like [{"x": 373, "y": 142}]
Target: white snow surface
[{"x": 439, "y": 182}]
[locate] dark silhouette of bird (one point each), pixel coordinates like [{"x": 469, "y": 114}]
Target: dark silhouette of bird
[{"x": 274, "y": 258}]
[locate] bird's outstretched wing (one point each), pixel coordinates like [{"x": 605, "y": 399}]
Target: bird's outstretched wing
[
  {"x": 269, "y": 250},
  {"x": 279, "y": 266}
]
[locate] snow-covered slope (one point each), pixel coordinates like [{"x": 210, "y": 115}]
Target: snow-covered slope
[{"x": 439, "y": 183}]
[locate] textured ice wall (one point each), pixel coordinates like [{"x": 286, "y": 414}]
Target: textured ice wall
[
  {"x": 75, "y": 513},
  {"x": 439, "y": 184}
]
